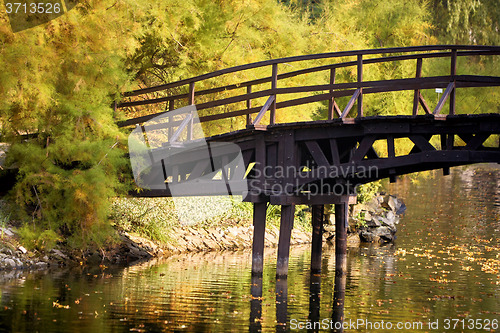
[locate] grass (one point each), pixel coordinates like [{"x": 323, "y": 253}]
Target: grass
[{"x": 158, "y": 218}]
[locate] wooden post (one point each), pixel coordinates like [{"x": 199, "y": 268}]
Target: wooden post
[
  {"x": 317, "y": 238},
  {"x": 453, "y": 73},
  {"x": 416, "y": 95},
  {"x": 341, "y": 223},
  {"x": 286, "y": 225},
  {"x": 259, "y": 230},
  {"x": 249, "y": 106},
  {"x": 274, "y": 85},
  {"x": 360, "y": 79},
  {"x": 331, "y": 101}
]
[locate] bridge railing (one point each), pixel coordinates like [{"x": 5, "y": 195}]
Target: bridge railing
[{"x": 163, "y": 98}]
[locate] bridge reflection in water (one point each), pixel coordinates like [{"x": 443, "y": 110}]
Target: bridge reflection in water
[{"x": 283, "y": 324}]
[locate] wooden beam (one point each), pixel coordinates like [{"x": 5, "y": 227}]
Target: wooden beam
[
  {"x": 263, "y": 110},
  {"x": 316, "y": 153},
  {"x": 335, "y": 152},
  {"x": 477, "y": 141},
  {"x": 319, "y": 199},
  {"x": 423, "y": 103},
  {"x": 442, "y": 100},
  {"x": 364, "y": 146},
  {"x": 350, "y": 104},
  {"x": 421, "y": 143},
  {"x": 391, "y": 151}
]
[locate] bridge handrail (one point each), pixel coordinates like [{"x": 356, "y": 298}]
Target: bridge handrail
[{"x": 361, "y": 87}]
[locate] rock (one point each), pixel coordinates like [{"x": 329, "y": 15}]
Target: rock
[
  {"x": 19, "y": 263},
  {"x": 41, "y": 265},
  {"x": 402, "y": 209},
  {"x": 394, "y": 204},
  {"x": 384, "y": 233},
  {"x": 7, "y": 232},
  {"x": 372, "y": 222},
  {"x": 6, "y": 251},
  {"x": 10, "y": 262},
  {"x": 22, "y": 249},
  {"x": 353, "y": 240},
  {"x": 388, "y": 219},
  {"x": 368, "y": 237},
  {"x": 59, "y": 254}
]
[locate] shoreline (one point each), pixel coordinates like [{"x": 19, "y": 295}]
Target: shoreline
[{"x": 371, "y": 222}]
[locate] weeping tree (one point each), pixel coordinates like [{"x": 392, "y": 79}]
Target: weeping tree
[{"x": 57, "y": 83}]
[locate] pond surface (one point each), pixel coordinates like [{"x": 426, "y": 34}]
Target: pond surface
[{"x": 443, "y": 269}]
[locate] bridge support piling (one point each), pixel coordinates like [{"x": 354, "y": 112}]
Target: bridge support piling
[
  {"x": 317, "y": 238},
  {"x": 341, "y": 223},
  {"x": 259, "y": 230},
  {"x": 286, "y": 226}
]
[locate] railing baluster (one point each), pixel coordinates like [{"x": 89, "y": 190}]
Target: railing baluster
[
  {"x": 332, "y": 105},
  {"x": 171, "y": 106},
  {"x": 360, "y": 79},
  {"x": 453, "y": 73},
  {"x": 274, "y": 85},
  {"x": 249, "y": 106},
  {"x": 190, "y": 102},
  {"x": 416, "y": 96}
]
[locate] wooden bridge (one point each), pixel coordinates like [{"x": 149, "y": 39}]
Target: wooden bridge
[{"x": 318, "y": 162}]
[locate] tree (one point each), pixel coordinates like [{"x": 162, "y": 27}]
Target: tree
[{"x": 57, "y": 84}]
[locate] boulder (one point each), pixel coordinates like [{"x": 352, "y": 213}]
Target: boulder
[
  {"x": 384, "y": 233},
  {"x": 10, "y": 262},
  {"x": 367, "y": 236}
]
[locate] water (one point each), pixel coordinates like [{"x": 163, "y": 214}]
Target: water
[{"x": 444, "y": 266}]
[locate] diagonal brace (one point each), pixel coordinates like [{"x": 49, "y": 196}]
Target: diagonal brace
[{"x": 264, "y": 109}]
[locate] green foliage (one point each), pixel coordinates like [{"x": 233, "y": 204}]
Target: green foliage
[
  {"x": 367, "y": 191},
  {"x": 58, "y": 81},
  {"x": 42, "y": 240},
  {"x": 360, "y": 220},
  {"x": 467, "y": 21}
]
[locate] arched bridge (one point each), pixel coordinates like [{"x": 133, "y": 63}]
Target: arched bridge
[
  {"x": 346, "y": 148},
  {"x": 313, "y": 162}
]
